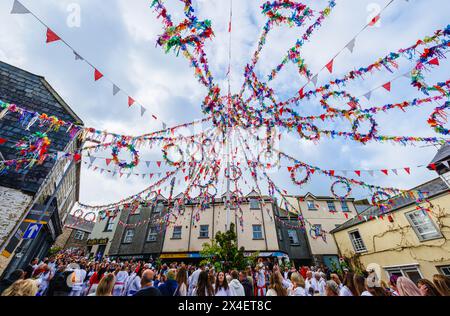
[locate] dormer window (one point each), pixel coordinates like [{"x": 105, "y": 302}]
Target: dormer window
[{"x": 311, "y": 206}]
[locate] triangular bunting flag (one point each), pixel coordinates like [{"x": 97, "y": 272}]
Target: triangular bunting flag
[
  {"x": 358, "y": 172},
  {"x": 51, "y": 36},
  {"x": 445, "y": 163},
  {"x": 395, "y": 171},
  {"x": 148, "y": 164},
  {"x": 97, "y": 75},
  {"x": 375, "y": 20},
  {"x": 19, "y": 8},
  {"x": 92, "y": 159},
  {"x": 314, "y": 80},
  {"x": 3, "y": 141},
  {"x": 387, "y": 86},
  {"x": 130, "y": 101},
  {"x": 108, "y": 161},
  {"x": 329, "y": 66},
  {"x": 432, "y": 166},
  {"x": 116, "y": 89},
  {"x": 408, "y": 170},
  {"x": 434, "y": 61},
  {"x": 77, "y": 56},
  {"x": 368, "y": 95},
  {"x": 159, "y": 164},
  {"x": 143, "y": 110},
  {"x": 385, "y": 171},
  {"x": 351, "y": 45},
  {"x": 371, "y": 173}
]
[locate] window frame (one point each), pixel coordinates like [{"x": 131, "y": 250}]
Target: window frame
[
  {"x": 149, "y": 232},
  {"x": 109, "y": 221},
  {"x": 200, "y": 232},
  {"x": 173, "y": 233},
  {"x": 403, "y": 270},
  {"x": 345, "y": 209},
  {"x": 125, "y": 235},
  {"x": 333, "y": 210},
  {"x": 253, "y": 200},
  {"x": 157, "y": 206},
  {"x": 415, "y": 229},
  {"x": 255, "y": 231},
  {"x": 292, "y": 241},
  {"x": 441, "y": 271},
  {"x": 313, "y": 208},
  {"x": 350, "y": 233},
  {"x": 82, "y": 235}
]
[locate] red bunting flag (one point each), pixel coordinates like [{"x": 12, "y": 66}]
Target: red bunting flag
[
  {"x": 329, "y": 66},
  {"x": 332, "y": 173},
  {"x": 358, "y": 172},
  {"x": 387, "y": 86},
  {"x": 346, "y": 215},
  {"x": 108, "y": 161},
  {"x": 51, "y": 36},
  {"x": 186, "y": 179},
  {"x": 3, "y": 141},
  {"x": 375, "y": 20},
  {"x": 432, "y": 166},
  {"x": 385, "y": 171},
  {"x": 130, "y": 101},
  {"x": 434, "y": 61},
  {"x": 289, "y": 169},
  {"x": 302, "y": 94},
  {"x": 159, "y": 164},
  {"x": 312, "y": 171},
  {"x": 408, "y": 170},
  {"x": 151, "y": 175},
  {"x": 77, "y": 157},
  {"x": 97, "y": 75}
]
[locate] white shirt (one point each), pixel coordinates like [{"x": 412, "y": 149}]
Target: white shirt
[
  {"x": 299, "y": 291},
  {"x": 261, "y": 281},
  {"x": 322, "y": 285},
  {"x": 271, "y": 292},
  {"x": 366, "y": 293},
  {"x": 345, "y": 291},
  {"x": 121, "y": 277},
  {"x": 223, "y": 292}
]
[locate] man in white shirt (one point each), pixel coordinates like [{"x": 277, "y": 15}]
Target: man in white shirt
[
  {"x": 322, "y": 283},
  {"x": 78, "y": 276},
  {"x": 193, "y": 280},
  {"x": 261, "y": 280}
]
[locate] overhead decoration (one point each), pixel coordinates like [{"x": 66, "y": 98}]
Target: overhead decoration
[{"x": 196, "y": 163}]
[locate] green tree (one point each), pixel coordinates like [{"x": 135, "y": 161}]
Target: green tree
[{"x": 223, "y": 252}]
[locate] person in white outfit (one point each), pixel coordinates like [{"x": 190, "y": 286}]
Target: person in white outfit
[
  {"x": 193, "y": 280},
  {"x": 236, "y": 287},
  {"x": 261, "y": 280},
  {"x": 121, "y": 278},
  {"x": 222, "y": 288},
  {"x": 133, "y": 283},
  {"x": 298, "y": 285},
  {"x": 44, "y": 280},
  {"x": 322, "y": 283},
  {"x": 78, "y": 276}
]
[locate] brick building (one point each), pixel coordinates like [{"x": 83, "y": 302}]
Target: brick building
[{"x": 46, "y": 191}]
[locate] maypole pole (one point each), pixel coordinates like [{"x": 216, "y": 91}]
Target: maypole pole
[{"x": 228, "y": 124}]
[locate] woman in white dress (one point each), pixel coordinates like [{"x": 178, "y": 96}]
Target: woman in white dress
[
  {"x": 121, "y": 278},
  {"x": 298, "y": 285}
]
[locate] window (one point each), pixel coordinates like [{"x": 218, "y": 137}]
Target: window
[
  {"x": 128, "y": 237},
  {"x": 152, "y": 234},
  {"x": 158, "y": 209},
  {"x": 410, "y": 271},
  {"x": 311, "y": 205},
  {"x": 293, "y": 237},
  {"x": 177, "y": 232},
  {"x": 344, "y": 206},
  {"x": 331, "y": 206},
  {"x": 109, "y": 224},
  {"x": 280, "y": 235},
  {"x": 204, "y": 231},
  {"x": 254, "y": 204},
  {"x": 79, "y": 235},
  {"x": 445, "y": 270},
  {"x": 357, "y": 242},
  {"x": 422, "y": 225},
  {"x": 257, "y": 232}
]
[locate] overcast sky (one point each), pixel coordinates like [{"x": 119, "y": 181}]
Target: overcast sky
[{"x": 119, "y": 37}]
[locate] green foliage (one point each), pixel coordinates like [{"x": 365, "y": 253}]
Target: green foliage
[
  {"x": 54, "y": 250},
  {"x": 223, "y": 252}
]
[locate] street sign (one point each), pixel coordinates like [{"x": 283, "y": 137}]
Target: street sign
[{"x": 32, "y": 231}]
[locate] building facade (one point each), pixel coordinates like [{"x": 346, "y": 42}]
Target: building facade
[
  {"x": 76, "y": 233},
  {"x": 321, "y": 214},
  {"x": 407, "y": 241},
  {"x": 46, "y": 192}
]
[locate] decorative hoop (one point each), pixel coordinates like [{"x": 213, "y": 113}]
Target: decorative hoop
[
  {"x": 348, "y": 187},
  {"x": 166, "y": 158},
  {"x": 379, "y": 197},
  {"x": 364, "y": 138},
  {"x": 90, "y": 213},
  {"x": 304, "y": 180},
  {"x": 236, "y": 173},
  {"x": 115, "y": 155},
  {"x": 308, "y": 126}
]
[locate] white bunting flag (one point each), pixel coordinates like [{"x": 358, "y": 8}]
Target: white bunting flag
[
  {"x": 351, "y": 45},
  {"x": 19, "y": 8}
]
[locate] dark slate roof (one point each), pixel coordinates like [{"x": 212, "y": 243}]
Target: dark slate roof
[
  {"x": 443, "y": 154},
  {"x": 33, "y": 93},
  {"x": 429, "y": 189},
  {"x": 73, "y": 222}
]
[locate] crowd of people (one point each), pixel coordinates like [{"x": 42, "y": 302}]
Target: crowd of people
[{"x": 71, "y": 274}]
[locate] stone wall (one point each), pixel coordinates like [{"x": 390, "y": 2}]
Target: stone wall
[{"x": 13, "y": 204}]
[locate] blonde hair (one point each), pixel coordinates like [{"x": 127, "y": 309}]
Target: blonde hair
[
  {"x": 106, "y": 285},
  {"x": 26, "y": 287},
  {"x": 298, "y": 280}
]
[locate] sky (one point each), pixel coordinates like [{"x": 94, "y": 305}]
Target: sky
[{"x": 119, "y": 37}]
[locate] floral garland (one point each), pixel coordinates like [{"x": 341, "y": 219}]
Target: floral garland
[
  {"x": 379, "y": 198},
  {"x": 364, "y": 138},
  {"x": 130, "y": 147},
  {"x": 165, "y": 151},
  {"x": 34, "y": 147},
  {"x": 348, "y": 187},
  {"x": 305, "y": 180}
]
